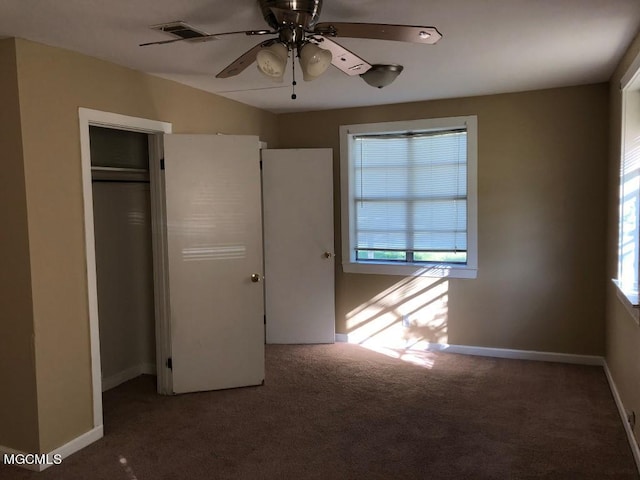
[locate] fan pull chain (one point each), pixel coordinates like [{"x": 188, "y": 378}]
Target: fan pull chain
[{"x": 293, "y": 70}]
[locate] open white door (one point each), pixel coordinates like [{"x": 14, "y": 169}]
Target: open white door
[
  {"x": 298, "y": 231},
  {"x": 214, "y": 244}
]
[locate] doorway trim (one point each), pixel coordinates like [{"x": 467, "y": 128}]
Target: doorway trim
[{"x": 88, "y": 117}]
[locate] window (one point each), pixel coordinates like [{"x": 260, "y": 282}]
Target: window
[
  {"x": 409, "y": 197},
  {"x": 629, "y": 203}
]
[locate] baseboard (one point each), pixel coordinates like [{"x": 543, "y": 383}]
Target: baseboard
[
  {"x": 623, "y": 415},
  {"x": 113, "y": 381},
  {"x": 519, "y": 354},
  {"x": 64, "y": 451},
  {"x": 505, "y": 353},
  {"x": 78, "y": 443}
]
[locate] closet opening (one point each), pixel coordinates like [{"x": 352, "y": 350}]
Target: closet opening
[{"x": 122, "y": 214}]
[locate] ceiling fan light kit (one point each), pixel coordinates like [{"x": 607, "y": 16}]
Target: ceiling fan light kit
[{"x": 295, "y": 23}]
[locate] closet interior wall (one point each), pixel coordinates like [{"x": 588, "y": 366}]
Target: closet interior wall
[{"x": 124, "y": 260}]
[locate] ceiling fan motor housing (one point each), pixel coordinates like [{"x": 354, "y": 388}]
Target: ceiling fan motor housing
[{"x": 294, "y": 13}]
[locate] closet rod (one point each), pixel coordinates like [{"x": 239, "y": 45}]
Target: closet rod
[
  {"x": 119, "y": 169},
  {"x": 119, "y": 181}
]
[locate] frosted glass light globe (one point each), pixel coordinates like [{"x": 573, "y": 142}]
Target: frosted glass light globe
[
  {"x": 314, "y": 61},
  {"x": 272, "y": 60}
]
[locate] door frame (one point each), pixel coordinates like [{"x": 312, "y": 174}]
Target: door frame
[{"x": 88, "y": 117}]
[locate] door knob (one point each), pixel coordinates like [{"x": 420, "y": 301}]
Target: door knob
[
  {"x": 255, "y": 278},
  {"x": 328, "y": 254}
]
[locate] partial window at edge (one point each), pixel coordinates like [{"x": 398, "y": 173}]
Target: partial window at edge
[{"x": 629, "y": 200}]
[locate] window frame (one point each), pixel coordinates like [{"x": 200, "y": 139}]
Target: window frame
[
  {"x": 629, "y": 91},
  {"x": 454, "y": 270}
]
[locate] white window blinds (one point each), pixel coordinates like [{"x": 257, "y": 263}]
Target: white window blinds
[
  {"x": 629, "y": 222},
  {"x": 410, "y": 194}
]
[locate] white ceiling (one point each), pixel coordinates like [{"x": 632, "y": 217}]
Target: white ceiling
[{"x": 488, "y": 46}]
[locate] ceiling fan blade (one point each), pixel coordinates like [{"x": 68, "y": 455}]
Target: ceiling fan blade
[
  {"x": 342, "y": 59},
  {"x": 213, "y": 36},
  {"x": 380, "y": 31},
  {"x": 244, "y": 60}
]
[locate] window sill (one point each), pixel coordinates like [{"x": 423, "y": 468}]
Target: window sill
[
  {"x": 630, "y": 299},
  {"x": 413, "y": 270}
]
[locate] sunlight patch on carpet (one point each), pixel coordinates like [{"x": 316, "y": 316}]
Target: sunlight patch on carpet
[{"x": 421, "y": 358}]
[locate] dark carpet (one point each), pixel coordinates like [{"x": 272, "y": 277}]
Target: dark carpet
[{"x": 344, "y": 412}]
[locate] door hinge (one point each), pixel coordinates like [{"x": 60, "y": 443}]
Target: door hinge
[
  {"x": 265, "y": 319},
  {"x": 162, "y": 164},
  {"x": 260, "y": 164},
  {"x": 170, "y": 363}
]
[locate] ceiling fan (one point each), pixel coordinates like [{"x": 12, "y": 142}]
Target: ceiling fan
[{"x": 295, "y": 24}]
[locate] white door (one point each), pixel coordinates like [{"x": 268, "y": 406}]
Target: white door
[
  {"x": 214, "y": 244},
  {"x": 298, "y": 231}
]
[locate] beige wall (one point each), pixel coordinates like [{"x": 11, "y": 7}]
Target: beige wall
[
  {"x": 53, "y": 83},
  {"x": 542, "y": 167},
  {"x": 18, "y": 408},
  {"x": 623, "y": 335}
]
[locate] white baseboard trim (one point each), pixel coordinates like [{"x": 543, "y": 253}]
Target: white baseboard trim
[
  {"x": 79, "y": 443},
  {"x": 113, "y": 381},
  {"x": 342, "y": 338},
  {"x": 623, "y": 415},
  {"x": 505, "y": 353},
  {"x": 64, "y": 451},
  {"x": 519, "y": 354}
]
